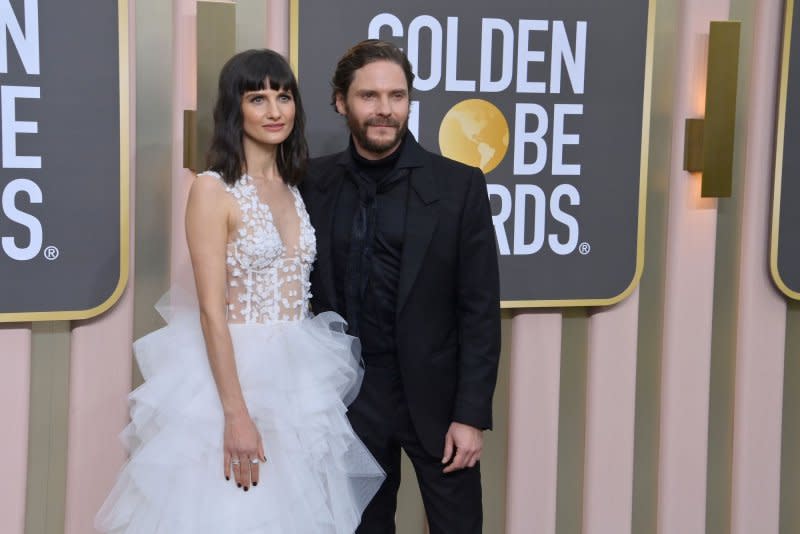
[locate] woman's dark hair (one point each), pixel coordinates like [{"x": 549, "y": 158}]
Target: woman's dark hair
[
  {"x": 363, "y": 53},
  {"x": 250, "y": 71}
]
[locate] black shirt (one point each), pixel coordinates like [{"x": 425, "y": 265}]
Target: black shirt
[{"x": 379, "y": 181}]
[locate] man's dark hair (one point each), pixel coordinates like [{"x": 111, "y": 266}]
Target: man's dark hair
[
  {"x": 251, "y": 71},
  {"x": 361, "y": 54}
]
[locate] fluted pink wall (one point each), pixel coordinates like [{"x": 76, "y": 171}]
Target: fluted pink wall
[
  {"x": 610, "y": 415},
  {"x": 14, "y": 399},
  {"x": 688, "y": 308}
]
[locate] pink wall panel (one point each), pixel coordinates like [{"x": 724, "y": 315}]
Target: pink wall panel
[
  {"x": 610, "y": 406},
  {"x": 100, "y": 379},
  {"x": 688, "y": 308},
  {"x": 533, "y": 423},
  {"x": 278, "y": 26},
  {"x": 14, "y": 402}
]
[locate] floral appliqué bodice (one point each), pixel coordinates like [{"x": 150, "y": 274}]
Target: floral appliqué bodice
[{"x": 267, "y": 280}]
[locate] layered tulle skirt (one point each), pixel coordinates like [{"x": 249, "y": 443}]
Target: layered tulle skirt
[{"x": 297, "y": 378}]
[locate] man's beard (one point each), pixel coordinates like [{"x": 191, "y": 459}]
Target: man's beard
[{"x": 359, "y": 131}]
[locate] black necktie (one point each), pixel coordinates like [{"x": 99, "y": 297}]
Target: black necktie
[{"x": 362, "y": 237}]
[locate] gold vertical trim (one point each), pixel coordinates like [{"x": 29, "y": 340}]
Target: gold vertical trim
[
  {"x": 789, "y": 512},
  {"x": 572, "y": 413},
  {"x": 154, "y": 163},
  {"x": 124, "y": 152},
  {"x": 294, "y": 36},
  {"x": 779, "y": 150},
  {"x": 649, "y": 342},
  {"x": 46, "y": 491}
]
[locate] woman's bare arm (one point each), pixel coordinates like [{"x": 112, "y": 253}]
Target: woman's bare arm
[{"x": 208, "y": 216}]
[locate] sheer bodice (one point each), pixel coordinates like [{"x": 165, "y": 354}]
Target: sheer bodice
[{"x": 267, "y": 276}]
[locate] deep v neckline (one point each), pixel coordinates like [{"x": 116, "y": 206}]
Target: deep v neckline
[{"x": 248, "y": 181}]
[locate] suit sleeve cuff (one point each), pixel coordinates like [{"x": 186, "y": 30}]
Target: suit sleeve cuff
[{"x": 480, "y": 419}]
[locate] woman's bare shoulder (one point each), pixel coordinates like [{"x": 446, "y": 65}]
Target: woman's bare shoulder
[{"x": 208, "y": 186}]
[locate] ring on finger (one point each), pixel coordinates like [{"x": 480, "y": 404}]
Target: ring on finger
[
  {"x": 235, "y": 461},
  {"x": 254, "y": 461}
]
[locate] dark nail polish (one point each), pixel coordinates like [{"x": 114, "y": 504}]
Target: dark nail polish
[
  {"x": 238, "y": 485},
  {"x": 246, "y": 488},
  {"x": 227, "y": 478},
  {"x": 255, "y": 483}
]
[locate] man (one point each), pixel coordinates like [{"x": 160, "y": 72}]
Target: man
[{"x": 406, "y": 253}]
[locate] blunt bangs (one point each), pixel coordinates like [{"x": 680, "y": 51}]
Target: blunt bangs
[{"x": 258, "y": 68}]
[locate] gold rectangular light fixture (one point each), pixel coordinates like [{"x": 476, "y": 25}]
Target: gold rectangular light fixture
[
  {"x": 190, "y": 140},
  {"x": 713, "y": 136},
  {"x": 693, "y": 145}
]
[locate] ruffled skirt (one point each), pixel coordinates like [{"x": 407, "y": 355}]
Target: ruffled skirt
[{"x": 297, "y": 378}]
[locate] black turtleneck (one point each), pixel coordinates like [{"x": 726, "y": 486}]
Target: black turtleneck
[
  {"x": 382, "y": 182},
  {"x": 374, "y": 169}
]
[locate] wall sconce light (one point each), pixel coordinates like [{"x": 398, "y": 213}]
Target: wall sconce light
[
  {"x": 216, "y": 42},
  {"x": 709, "y": 142}
]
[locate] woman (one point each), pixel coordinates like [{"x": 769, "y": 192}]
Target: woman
[{"x": 240, "y": 426}]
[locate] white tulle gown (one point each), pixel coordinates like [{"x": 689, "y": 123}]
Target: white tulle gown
[{"x": 297, "y": 373}]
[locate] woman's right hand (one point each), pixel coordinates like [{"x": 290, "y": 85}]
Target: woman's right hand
[{"x": 243, "y": 450}]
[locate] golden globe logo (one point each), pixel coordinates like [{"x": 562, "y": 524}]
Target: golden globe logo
[{"x": 476, "y": 133}]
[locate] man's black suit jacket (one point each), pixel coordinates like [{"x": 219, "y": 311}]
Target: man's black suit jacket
[{"x": 448, "y": 309}]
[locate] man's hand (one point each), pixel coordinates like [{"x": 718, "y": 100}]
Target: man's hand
[{"x": 466, "y": 442}]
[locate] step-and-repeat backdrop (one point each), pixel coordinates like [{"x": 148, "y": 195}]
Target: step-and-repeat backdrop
[
  {"x": 63, "y": 181},
  {"x": 551, "y": 102}
]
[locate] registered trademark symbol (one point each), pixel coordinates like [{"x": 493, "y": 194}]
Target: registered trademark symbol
[
  {"x": 51, "y": 252},
  {"x": 585, "y": 248}
]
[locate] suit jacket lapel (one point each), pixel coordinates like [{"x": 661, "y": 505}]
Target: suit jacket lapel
[{"x": 421, "y": 217}]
